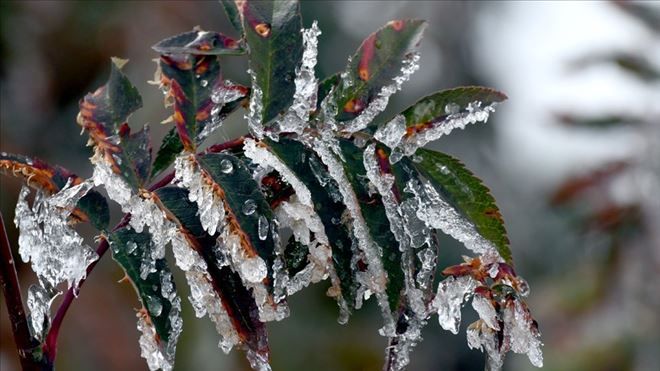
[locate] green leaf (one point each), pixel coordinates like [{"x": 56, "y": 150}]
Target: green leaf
[
  {"x": 325, "y": 86},
  {"x": 134, "y": 159},
  {"x": 433, "y": 108},
  {"x": 236, "y": 298},
  {"x": 464, "y": 191},
  {"x": 232, "y": 13},
  {"x": 375, "y": 217},
  {"x": 309, "y": 168},
  {"x": 93, "y": 207},
  {"x": 378, "y": 60},
  {"x": 109, "y": 106},
  {"x": 198, "y": 42},
  {"x": 238, "y": 188},
  {"x": 272, "y": 30},
  {"x": 170, "y": 147},
  {"x": 128, "y": 250}
]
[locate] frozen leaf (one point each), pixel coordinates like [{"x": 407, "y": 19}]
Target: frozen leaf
[
  {"x": 384, "y": 60},
  {"x": 198, "y": 42},
  {"x": 272, "y": 30},
  {"x": 452, "y": 292},
  {"x": 461, "y": 189},
  {"x": 92, "y": 207},
  {"x": 160, "y": 319}
]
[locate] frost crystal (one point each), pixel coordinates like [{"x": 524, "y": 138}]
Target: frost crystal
[
  {"x": 474, "y": 112},
  {"x": 304, "y": 99},
  {"x": 449, "y": 299},
  {"x": 437, "y": 213},
  {"x": 378, "y": 104},
  {"x": 57, "y": 252}
]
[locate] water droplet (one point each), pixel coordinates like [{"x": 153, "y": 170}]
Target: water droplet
[
  {"x": 263, "y": 227},
  {"x": 523, "y": 287},
  {"x": 226, "y": 166},
  {"x": 452, "y": 108},
  {"x": 131, "y": 247},
  {"x": 204, "y": 83},
  {"x": 154, "y": 306},
  {"x": 249, "y": 207}
]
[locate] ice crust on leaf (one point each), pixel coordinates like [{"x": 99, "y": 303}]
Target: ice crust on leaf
[
  {"x": 378, "y": 104},
  {"x": 304, "y": 99},
  {"x": 481, "y": 336},
  {"x": 474, "y": 112},
  {"x": 451, "y": 294},
  {"x": 254, "y": 114},
  {"x": 521, "y": 333},
  {"x": 486, "y": 311},
  {"x": 47, "y": 240},
  {"x": 224, "y": 93},
  {"x": 438, "y": 214},
  {"x": 38, "y": 303},
  {"x": 374, "y": 280},
  {"x": 392, "y": 133}
]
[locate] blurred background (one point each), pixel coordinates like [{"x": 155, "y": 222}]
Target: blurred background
[{"x": 573, "y": 158}]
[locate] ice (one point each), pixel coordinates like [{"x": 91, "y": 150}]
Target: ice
[
  {"x": 263, "y": 157},
  {"x": 483, "y": 337},
  {"x": 154, "y": 306},
  {"x": 263, "y": 227},
  {"x": 375, "y": 279},
  {"x": 47, "y": 240},
  {"x": 226, "y": 166},
  {"x": 437, "y": 213},
  {"x": 521, "y": 333},
  {"x": 474, "y": 112},
  {"x": 254, "y": 115},
  {"x": 392, "y": 133},
  {"x": 378, "y": 104},
  {"x": 398, "y": 226},
  {"x": 451, "y": 294},
  {"x": 304, "y": 98},
  {"x": 211, "y": 206},
  {"x": 249, "y": 207},
  {"x": 486, "y": 311},
  {"x": 150, "y": 349},
  {"x": 258, "y": 361},
  {"x": 38, "y": 303}
]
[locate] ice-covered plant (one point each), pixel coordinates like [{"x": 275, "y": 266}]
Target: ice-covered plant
[{"x": 322, "y": 188}]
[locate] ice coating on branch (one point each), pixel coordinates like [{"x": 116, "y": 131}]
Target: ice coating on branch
[
  {"x": 264, "y": 158},
  {"x": 210, "y": 206},
  {"x": 521, "y": 333},
  {"x": 378, "y": 104},
  {"x": 38, "y": 303},
  {"x": 57, "y": 252},
  {"x": 438, "y": 214},
  {"x": 474, "y": 112},
  {"x": 451, "y": 294},
  {"x": 374, "y": 280},
  {"x": 254, "y": 114},
  {"x": 391, "y": 133},
  {"x": 304, "y": 99}
]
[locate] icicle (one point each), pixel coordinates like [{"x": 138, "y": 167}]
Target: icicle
[
  {"x": 211, "y": 207},
  {"x": 57, "y": 252},
  {"x": 521, "y": 333},
  {"x": 150, "y": 349},
  {"x": 255, "y": 113},
  {"x": 449, "y": 299},
  {"x": 410, "y": 65},
  {"x": 304, "y": 99},
  {"x": 437, "y": 213},
  {"x": 474, "y": 112}
]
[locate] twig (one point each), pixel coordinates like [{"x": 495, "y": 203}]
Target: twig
[{"x": 12, "y": 291}]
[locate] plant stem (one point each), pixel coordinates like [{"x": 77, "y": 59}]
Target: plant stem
[{"x": 12, "y": 291}]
